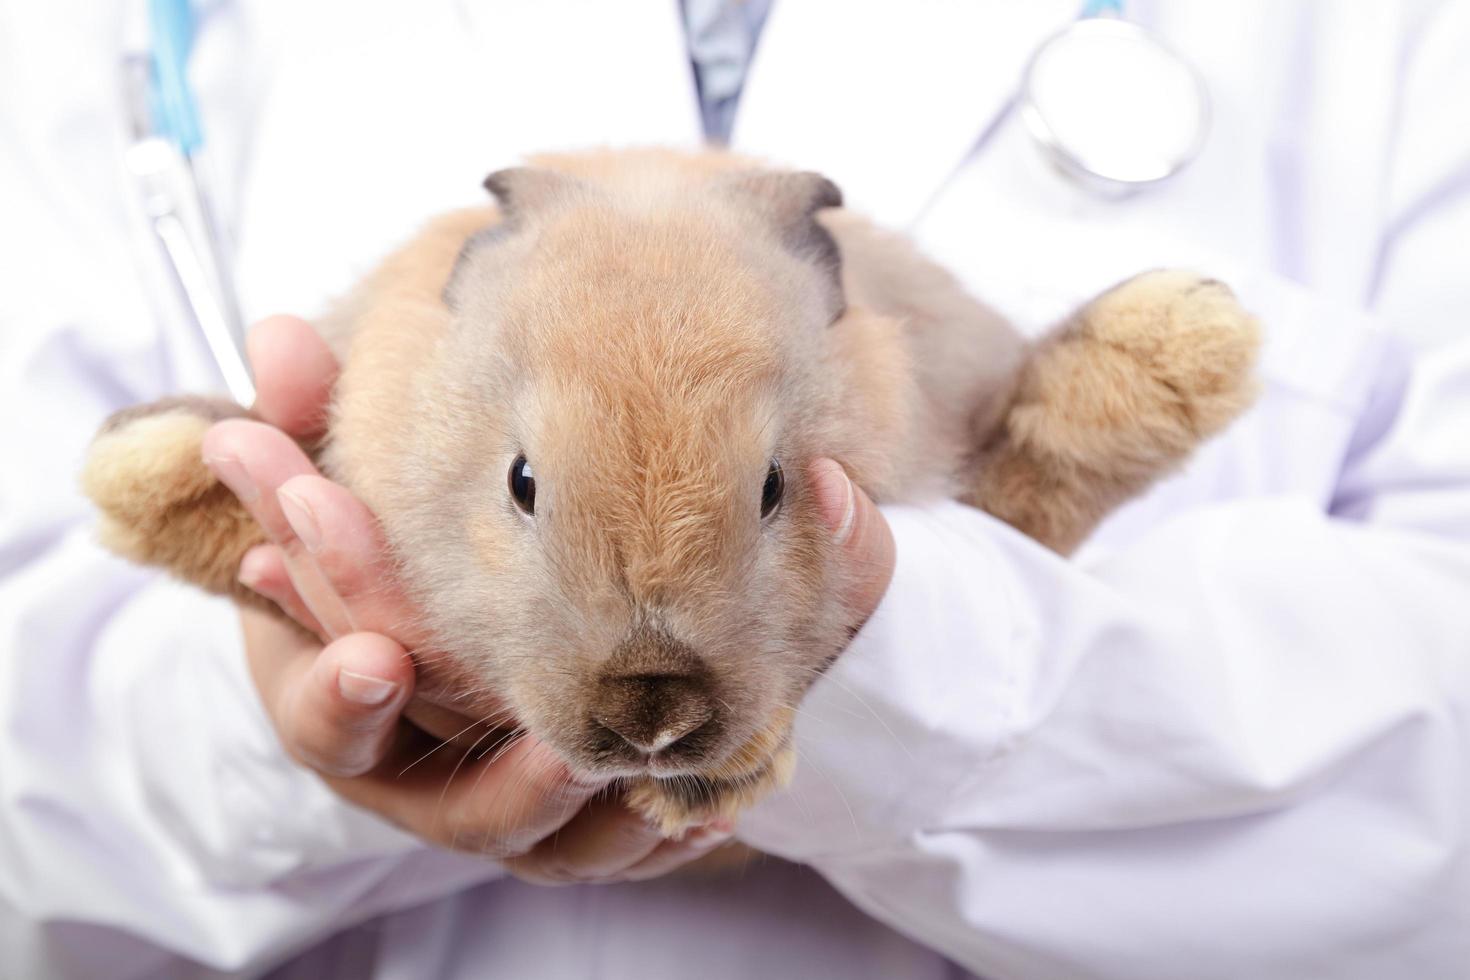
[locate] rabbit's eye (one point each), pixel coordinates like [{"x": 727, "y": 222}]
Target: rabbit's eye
[
  {"x": 771, "y": 491},
  {"x": 523, "y": 484}
]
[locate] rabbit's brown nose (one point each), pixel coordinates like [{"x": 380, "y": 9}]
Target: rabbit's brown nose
[{"x": 652, "y": 712}]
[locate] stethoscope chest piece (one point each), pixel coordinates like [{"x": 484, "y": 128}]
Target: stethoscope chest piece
[{"x": 1113, "y": 106}]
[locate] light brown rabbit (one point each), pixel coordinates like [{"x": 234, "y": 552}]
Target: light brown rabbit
[{"x": 584, "y": 419}]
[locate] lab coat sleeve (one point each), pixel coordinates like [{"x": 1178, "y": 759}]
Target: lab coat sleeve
[{"x": 1243, "y": 739}]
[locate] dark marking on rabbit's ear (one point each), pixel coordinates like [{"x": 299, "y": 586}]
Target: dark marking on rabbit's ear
[{"x": 790, "y": 201}]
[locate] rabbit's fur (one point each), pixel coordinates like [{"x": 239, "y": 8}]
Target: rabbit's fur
[{"x": 651, "y": 329}]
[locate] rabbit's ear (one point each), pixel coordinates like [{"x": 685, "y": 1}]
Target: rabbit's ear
[
  {"x": 522, "y": 191},
  {"x": 791, "y": 195},
  {"x": 790, "y": 202},
  {"x": 454, "y": 287}
]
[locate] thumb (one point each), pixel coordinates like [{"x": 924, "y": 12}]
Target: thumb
[{"x": 860, "y": 532}]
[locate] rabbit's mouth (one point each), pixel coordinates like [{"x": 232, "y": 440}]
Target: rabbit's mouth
[
  {"x": 677, "y": 803},
  {"x": 707, "y": 746},
  {"x": 700, "y": 789}
]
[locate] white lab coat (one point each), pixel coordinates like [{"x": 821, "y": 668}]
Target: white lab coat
[{"x": 1231, "y": 740}]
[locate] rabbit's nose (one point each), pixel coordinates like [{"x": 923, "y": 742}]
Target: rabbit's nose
[{"x": 653, "y": 712}]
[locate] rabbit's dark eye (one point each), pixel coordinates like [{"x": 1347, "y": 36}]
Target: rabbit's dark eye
[
  {"x": 523, "y": 485},
  {"x": 771, "y": 492}
]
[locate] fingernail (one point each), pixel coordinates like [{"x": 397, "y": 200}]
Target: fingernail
[
  {"x": 364, "y": 690},
  {"x": 232, "y": 474},
  {"x": 839, "y": 517},
  {"x": 302, "y": 520}
]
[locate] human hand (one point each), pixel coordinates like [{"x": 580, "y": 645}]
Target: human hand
[{"x": 341, "y": 691}]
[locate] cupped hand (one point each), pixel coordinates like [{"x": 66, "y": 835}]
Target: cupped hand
[{"x": 339, "y": 686}]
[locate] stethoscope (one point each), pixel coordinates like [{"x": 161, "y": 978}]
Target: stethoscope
[{"x": 1114, "y": 108}]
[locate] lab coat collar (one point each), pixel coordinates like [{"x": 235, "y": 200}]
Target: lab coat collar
[{"x": 887, "y": 98}]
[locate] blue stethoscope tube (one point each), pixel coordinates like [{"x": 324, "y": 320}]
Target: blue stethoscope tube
[{"x": 164, "y": 158}]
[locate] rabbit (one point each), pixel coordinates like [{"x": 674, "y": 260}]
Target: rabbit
[{"x": 583, "y": 415}]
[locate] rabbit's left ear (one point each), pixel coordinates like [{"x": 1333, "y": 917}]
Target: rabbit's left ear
[
  {"x": 521, "y": 193},
  {"x": 790, "y": 202}
]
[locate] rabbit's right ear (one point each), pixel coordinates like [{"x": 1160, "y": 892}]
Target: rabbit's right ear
[{"x": 790, "y": 202}]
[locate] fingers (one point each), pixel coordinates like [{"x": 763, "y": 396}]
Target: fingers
[
  {"x": 331, "y": 546},
  {"x": 605, "y": 839},
  {"x": 338, "y": 712},
  {"x": 335, "y": 710},
  {"x": 254, "y": 460},
  {"x": 263, "y": 570},
  {"x": 499, "y": 805},
  {"x": 861, "y": 533},
  {"x": 346, "y": 544},
  {"x": 674, "y": 854},
  {"x": 294, "y": 373},
  {"x": 608, "y": 842}
]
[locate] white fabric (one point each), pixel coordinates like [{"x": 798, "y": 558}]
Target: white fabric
[{"x": 1231, "y": 740}]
